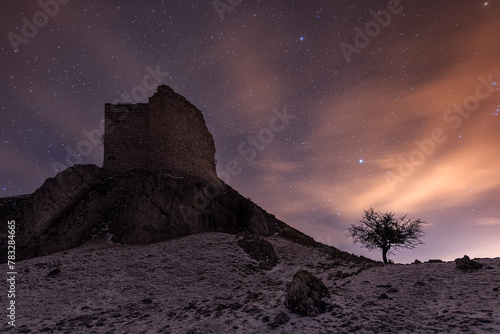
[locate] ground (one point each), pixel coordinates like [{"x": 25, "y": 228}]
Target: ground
[{"x": 206, "y": 283}]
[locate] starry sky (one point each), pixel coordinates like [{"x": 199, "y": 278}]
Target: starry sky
[{"x": 328, "y": 107}]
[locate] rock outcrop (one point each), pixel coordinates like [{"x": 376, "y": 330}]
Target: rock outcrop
[
  {"x": 466, "y": 263},
  {"x": 139, "y": 207},
  {"x": 260, "y": 250},
  {"x": 9, "y": 206},
  {"x": 134, "y": 207}
]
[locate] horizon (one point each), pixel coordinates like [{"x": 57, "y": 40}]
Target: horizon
[{"x": 336, "y": 108}]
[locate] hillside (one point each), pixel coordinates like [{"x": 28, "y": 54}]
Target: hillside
[{"x": 206, "y": 283}]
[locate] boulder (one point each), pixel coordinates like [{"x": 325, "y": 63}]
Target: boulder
[
  {"x": 260, "y": 250},
  {"x": 281, "y": 319},
  {"x": 306, "y": 295},
  {"x": 466, "y": 263}
]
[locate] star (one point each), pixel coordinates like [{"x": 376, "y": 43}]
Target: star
[
  {"x": 301, "y": 38},
  {"x": 361, "y": 161}
]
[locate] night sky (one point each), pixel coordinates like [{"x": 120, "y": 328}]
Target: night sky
[{"x": 392, "y": 105}]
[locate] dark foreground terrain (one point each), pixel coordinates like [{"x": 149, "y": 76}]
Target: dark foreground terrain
[{"x": 206, "y": 283}]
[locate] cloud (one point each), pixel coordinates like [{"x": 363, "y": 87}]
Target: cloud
[{"x": 488, "y": 222}]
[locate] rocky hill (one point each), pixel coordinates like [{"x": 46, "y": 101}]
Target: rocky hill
[{"x": 135, "y": 207}]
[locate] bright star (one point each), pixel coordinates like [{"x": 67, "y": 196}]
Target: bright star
[
  {"x": 301, "y": 38},
  {"x": 360, "y": 161}
]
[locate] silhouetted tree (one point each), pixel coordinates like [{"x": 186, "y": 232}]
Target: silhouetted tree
[{"x": 383, "y": 231}]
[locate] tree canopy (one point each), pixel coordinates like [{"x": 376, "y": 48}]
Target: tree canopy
[{"x": 377, "y": 230}]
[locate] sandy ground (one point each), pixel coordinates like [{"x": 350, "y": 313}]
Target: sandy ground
[{"x": 207, "y": 284}]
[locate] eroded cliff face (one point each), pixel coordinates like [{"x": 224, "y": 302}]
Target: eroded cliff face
[{"x": 134, "y": 207}]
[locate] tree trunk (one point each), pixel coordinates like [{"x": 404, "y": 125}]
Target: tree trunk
[{"x": 384, "y": 254}]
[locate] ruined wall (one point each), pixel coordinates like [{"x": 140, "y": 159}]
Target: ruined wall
[
  {"x": 167, "y": 133},
  {"x": 179, "y": 137},
  {"x": 126, "y": 136}
]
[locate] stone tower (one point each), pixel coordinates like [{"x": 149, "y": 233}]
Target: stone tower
[{"x": 167, "y": 133}]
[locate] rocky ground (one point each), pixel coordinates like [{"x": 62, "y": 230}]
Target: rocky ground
[{"x": 207, "y": 283}]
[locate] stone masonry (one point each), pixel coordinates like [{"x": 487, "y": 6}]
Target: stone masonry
[{"x": 167, "y": 133}]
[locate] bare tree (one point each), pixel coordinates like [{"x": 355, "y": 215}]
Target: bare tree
[{"x": 384, "y": 231}]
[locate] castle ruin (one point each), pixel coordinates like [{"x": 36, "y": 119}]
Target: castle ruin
[{"x": 167, "y": 133}]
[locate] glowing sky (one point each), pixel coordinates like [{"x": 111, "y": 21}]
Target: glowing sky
[{"x": 421, "y": 89}]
